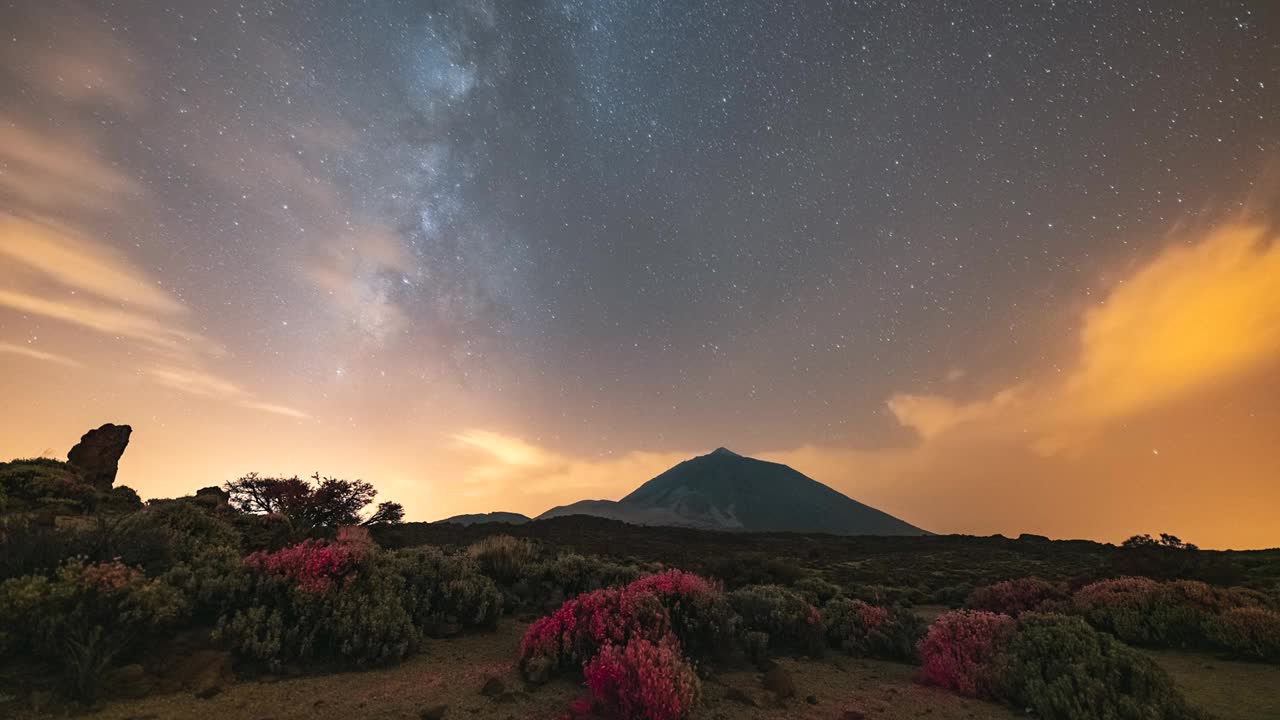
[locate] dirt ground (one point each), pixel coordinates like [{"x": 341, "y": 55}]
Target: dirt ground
[{"x": 452, "y": 672}]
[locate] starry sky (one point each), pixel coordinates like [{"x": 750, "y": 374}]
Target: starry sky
[{"x": 990, "y": 270}]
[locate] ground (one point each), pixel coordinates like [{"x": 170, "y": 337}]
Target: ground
[{"x": 452, "y": 673}]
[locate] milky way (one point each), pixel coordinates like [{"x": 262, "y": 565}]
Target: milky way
[{"x": 500, "y": 255}]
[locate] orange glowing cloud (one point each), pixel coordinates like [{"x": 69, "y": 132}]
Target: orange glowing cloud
[{"x": 1198, "y": 314}]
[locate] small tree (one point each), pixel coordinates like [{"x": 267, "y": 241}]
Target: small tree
[{"x": 319, "y": 502}]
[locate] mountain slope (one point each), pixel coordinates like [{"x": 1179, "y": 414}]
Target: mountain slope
[
  {"x": 510, "y": 518},
  {"x": 726, "y": 491}
]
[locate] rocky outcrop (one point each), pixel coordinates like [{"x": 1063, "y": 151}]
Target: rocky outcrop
[{"x": 97, "y": 455}]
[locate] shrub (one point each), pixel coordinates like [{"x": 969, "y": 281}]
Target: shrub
[
  {"x": 570, "y": 637},
  {"x": 736, "y": 570},
  {"x": 1014, "y": 597},
  {"x": 960, "y": 649},
  {"x": 164, "y": 534},
  {"x": 790, "y": 621},
  {"x": 31, "y": 548},
  {"x": 86, "y": 616},
  {"x": 446, "y": 592},
  {"x": 816, "y": 590},
  {"x": 644, "y": 680},
  {"x": 571, "y": 574},
  {"x": 339, "y": 602},
  {"x": 865, "y": 630},
  {"x": 1062, "y": 669},
  {"x": 43, "y": 483},
  {"x": 502, "y": 557},
  {"x": 214, "y": 581},
  {"x": 1248, "y": 632},
  {"x": 311, "y": 565},
  {"x": 1143, "y": 611},
  {"x": 698, "y": 611}
]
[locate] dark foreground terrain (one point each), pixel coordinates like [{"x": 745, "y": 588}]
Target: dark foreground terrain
[{"x": 277, "y": 598}]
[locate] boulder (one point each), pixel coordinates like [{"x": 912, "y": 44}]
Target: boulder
[
  {"x": 740, "y": 696},
  {"x": 493, "y": 687},
  {"x": 129, "y": 681},
  {"x": 779, "y": 682},
  {"x": 434, "y": 712},
  {"x": 97, "y": 455},
  {"x": 205, "y": 672}
]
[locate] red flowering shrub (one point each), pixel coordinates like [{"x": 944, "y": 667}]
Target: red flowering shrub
[
  {"x": 644, "y": 680},
  {"x": 1014, "y": 597},
  {"x": 959, "y": 651},
  {"x": 572, "y": 635},
  {"x": 314, "y": 565},
  {"x": 1249, "y": 632},
  {"x": 699, "y": 612}
]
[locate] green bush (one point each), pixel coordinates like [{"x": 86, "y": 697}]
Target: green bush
[
  {"x": 1062, "y": 669},
  {"x": 503, "y": 558},
  {"x": 791, "y": 623},
  {"x": 213, "y": 581},
  {"x": 1145, "y": 612},
  {"x": 363, "y": 620},
  {"x": 572, "y": 574},
  {"x": 1248, "y": 632},
  {"x": 865, "y": 630},
  {"x": 816, "y": 590},
  {"x": 85, "y": 617},
  {"x": 753, "y": 568},
  {"x": 44, "y": 484},
  {"x": 31, "y": 548},
  {"x": 445, "y": 592},
  {"x": 166, "y": 534}
]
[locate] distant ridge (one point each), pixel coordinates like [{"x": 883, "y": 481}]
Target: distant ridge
[
  {"x": 723, "y": 490},
  {"x": 492, "y": 517}
]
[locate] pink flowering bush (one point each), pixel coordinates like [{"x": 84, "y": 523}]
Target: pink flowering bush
[
  {"x": 341, "y": 601},
  {"x": 699, "y": 612},
  {"x": 571, "y": 636},
  {"x": 315, "y": 565},
  {"x": 1248, "y": 632},
  {"x": 961, "y": 649},
  {"x": 1014, "y": 597},
  {"x": 644, "y": 680}
]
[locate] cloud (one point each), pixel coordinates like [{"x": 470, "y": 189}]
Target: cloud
[
  {"x": 203, "y": 384},
  {"x": 62, "y": 254},
  {"x": 58, "y": 169},
  {"x": 531, "y": 478},
  {"x": 30, "y": 352},
  {"x": 70, "y": 53},
  {"x": 1202, "y": 312},
  {"x": 931, "y": 415},
  {"x": 54, "y": 271},
  {"x": 1196, "y": 315}
]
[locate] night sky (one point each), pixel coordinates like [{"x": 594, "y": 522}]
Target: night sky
[{"x": 989, "y": 267}]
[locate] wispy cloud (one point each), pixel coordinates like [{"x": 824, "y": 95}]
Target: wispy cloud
[
  {"x": 41, "y": 355},
  {"x": 207, "y": 385},
  {"x": 532, "y": 477},
  {"x": 58, "y": 169}
]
